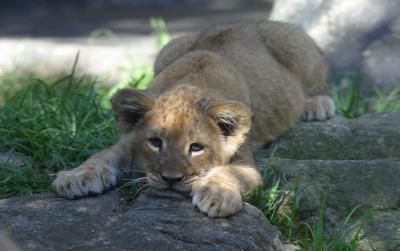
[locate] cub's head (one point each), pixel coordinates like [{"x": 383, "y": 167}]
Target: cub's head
[{"x": 180, "y": 135}]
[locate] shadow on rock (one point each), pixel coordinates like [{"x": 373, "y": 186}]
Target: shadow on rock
[{"x": 156, "y": 220}]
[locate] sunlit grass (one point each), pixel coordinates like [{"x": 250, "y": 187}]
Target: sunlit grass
[
  {"x": 351, "y": 103},
  {"x": 160, "y": 32}
]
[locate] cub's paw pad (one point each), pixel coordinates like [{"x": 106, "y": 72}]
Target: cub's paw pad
[
  {"x": 84, "y": 181},
  {"x": 215, "y": 200},
  {"x": 319, "y": 108}
]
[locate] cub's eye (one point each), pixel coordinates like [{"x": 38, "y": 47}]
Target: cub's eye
[
  {"x": 196, "y": 149},
  {"x": 155, "y": 144}
]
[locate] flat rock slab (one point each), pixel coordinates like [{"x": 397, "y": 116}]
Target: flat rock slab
[
  {"x": 343, "y": 164},
  {"x": 342, "y": 184},
  {"x": 158, "y": 220},
  {"x": 340, "y": 163},
  {"x": 372, "y": 136},
  {"x": 382, "y": 231}
]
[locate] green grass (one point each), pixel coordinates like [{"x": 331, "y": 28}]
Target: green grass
[
  {"x": 24, "y": 179},
  {"x": 57, "y": 122},
  {"x": 351, "y": 104},
  {"x": 281, "y": 206},
  {"x": 347, "y": 238},
  {"x": 131, "y": 188},
  {"x": 52, "y": 124},
  {"x": 160, "y": 32}
]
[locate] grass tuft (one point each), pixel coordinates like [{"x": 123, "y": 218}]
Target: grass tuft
[
  {"x": 281, "y": 206},
  {"x": 23, "y": 179},
  {"x": 54, "y": 125},
  {"x": 160, "y": 32},
  {"x": 351, "y": 103},
  {"x": 131, "y": 188}
]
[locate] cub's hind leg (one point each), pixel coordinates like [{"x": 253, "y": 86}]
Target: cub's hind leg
[
  {"x": 298, "y": 53},
  {"x": 318, "y": 107}
]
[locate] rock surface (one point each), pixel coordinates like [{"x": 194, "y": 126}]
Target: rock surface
[
  {"x": 383, "y": 230},
  {"x": 343, "y": 184},
  {"x": 339, "y": 163},
  {"x": 347, "y": 38},
  {"x": 344, "y": 164},
  {"x": 156, "y": 221},
  {"x": 372, "y": 136}
]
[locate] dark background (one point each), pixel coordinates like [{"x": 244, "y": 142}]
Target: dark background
[{"x": 77, "y": 18}]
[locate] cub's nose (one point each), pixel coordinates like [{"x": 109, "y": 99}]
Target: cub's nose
[{"x": 171, "y": 179}]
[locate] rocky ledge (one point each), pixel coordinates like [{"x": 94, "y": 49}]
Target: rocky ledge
[
  {"x": 343, "y": 164},
  {"x": 340, "y": 163},
  {"x": 157, "y": 220}
]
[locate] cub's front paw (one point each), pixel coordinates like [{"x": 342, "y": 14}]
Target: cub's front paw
[
  {"x": 83, "y": 181},
  {"x": 216, "y": 199}
]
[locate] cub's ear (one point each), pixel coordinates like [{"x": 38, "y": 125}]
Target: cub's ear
[
  {"x": 233, "y": 118},
  {"x": 234, "y": 121},
  {"x": 129, "y": 106}
]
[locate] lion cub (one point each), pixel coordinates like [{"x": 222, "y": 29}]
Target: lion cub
[{"x": 217, "y": 96}]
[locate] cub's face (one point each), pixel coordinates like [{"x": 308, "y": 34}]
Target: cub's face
[{"x": 179, "y": 136}]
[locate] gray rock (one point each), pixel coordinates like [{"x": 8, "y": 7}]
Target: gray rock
[
  {"x": 10, "y": 158},
  {"x": 47, "y": 222},
  {"x": 342, "y": 164},
  {"x": 156, "y": 221},
  {"x": 372, "y": 136},
  {"x": 382, "y": 231},
  {"x": 343, "y": 184},
  {"x": 7, "y": 244},
  {"x": 346, "y": 36},
  {"x": 381, "y": 59}
]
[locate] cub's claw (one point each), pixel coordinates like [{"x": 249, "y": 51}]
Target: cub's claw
[
  {"x": 83, "y": 181},
  {"x": 319, "y": 108}
]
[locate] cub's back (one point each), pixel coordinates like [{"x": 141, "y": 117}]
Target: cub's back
[
  {"x": 276, "y": 93},
  {"x": 278, "y": 63}
]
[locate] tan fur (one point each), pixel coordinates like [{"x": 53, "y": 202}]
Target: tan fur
[{"x": 231, "y": 89}]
